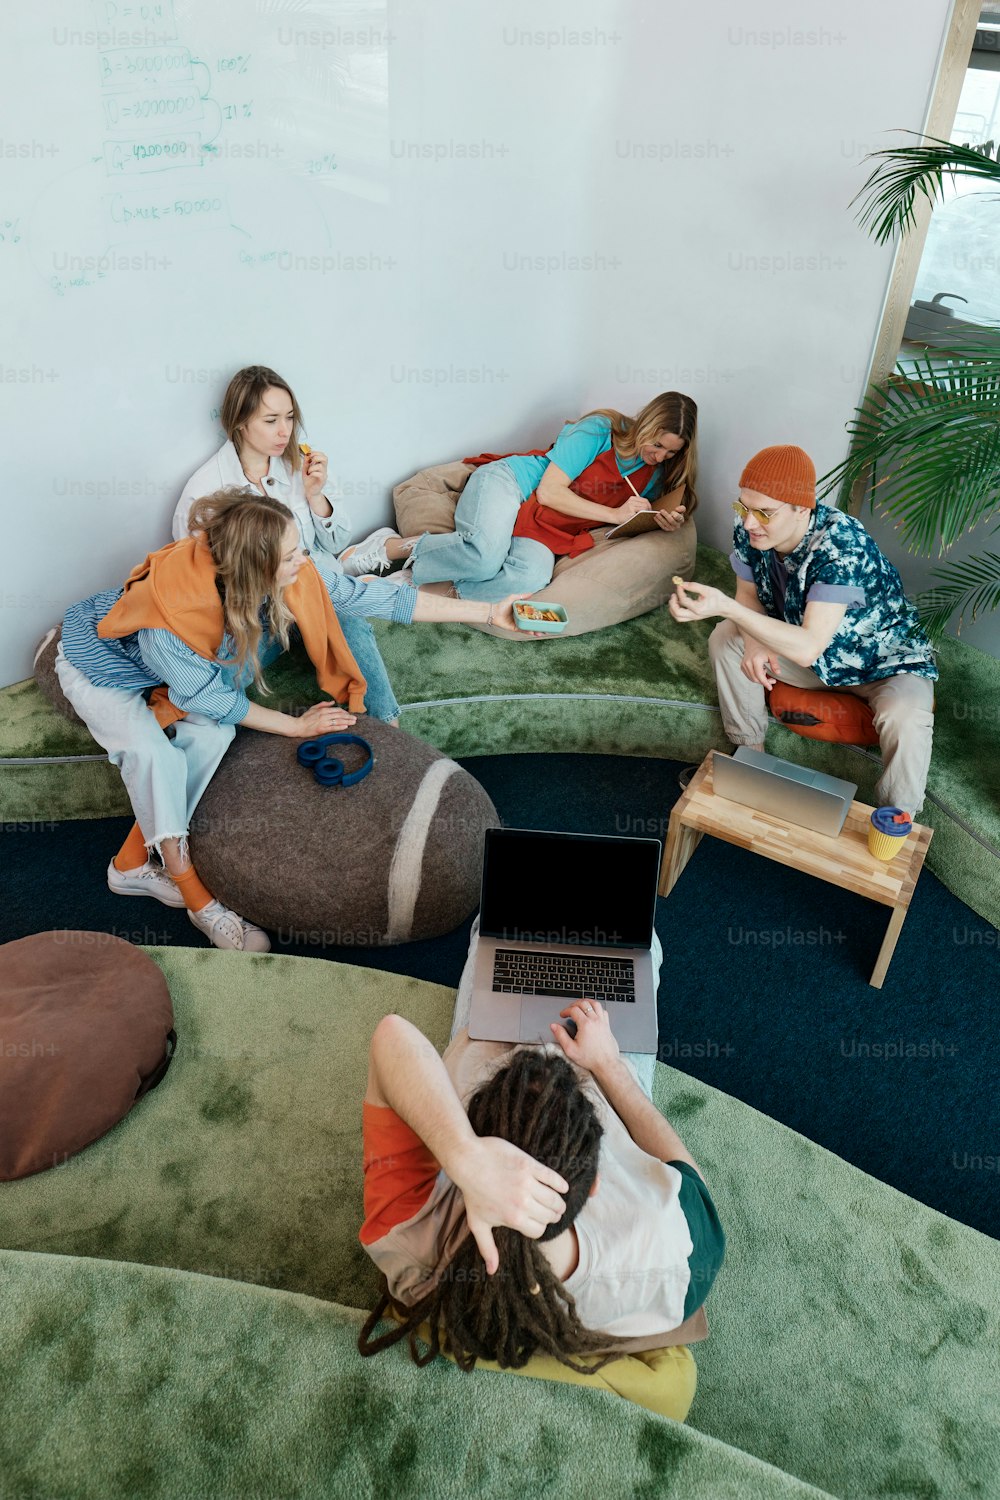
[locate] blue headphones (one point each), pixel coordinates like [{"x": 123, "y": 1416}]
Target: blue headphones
[{"x": 328, "y": 770}]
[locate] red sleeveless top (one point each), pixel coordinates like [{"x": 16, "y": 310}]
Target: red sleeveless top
[{"x": 601, "y": 482}]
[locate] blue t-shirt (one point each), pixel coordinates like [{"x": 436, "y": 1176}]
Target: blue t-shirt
[
  {"x": 838, "y": 562},
  {"x": 574, "y": 450}
]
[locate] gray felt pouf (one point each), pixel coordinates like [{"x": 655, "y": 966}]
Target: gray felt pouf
[
  {"x": 45, "y": 674},
  {"x": 395, "y": 858}
]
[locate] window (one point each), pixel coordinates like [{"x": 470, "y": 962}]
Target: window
[{"x": 961, "y": 257}]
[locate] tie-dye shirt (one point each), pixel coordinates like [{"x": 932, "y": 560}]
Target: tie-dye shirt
[{"x": 838, "y": 562}]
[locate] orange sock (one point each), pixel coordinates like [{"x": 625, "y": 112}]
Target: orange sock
[
  {"x": 132, "y": 853},
  {"x": 195, "y": 894}
]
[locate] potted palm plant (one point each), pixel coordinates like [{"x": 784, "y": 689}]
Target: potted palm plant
[{"x": 928, "y": 439}]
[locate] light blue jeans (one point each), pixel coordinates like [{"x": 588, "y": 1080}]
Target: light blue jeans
[
  {"x": 380, "y": 700},
  {"x": 643, "y": 1064},
  {"x": 164, "y": 776},
  {"x": 481, "y": 557}
]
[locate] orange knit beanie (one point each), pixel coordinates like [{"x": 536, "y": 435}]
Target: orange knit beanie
[{"x": 782, "y": 473}]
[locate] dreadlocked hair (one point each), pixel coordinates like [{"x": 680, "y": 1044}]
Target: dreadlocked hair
[
  {"x": 535, "y": 1101},
  {"x": 245, "y": 534}
]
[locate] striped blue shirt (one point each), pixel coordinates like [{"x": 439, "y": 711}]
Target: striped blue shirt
[
  {"x": 148, "y": 658},
  {"x": 138, "y": 662}
]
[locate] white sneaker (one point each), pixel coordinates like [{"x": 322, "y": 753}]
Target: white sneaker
[
  {"x": 147, "y": 880},
  {"x": 397, "y": 579},
  {"x": 224, "y": 929},
  {"x": 368, "y": 556}
]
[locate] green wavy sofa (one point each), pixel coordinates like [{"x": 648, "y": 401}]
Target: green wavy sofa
[
  {"x": 644, "y": 687},
  {"x": 179, "y": 1303}
]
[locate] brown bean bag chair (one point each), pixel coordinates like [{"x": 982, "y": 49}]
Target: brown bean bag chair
[
  {"x": 45, "y": 674},
  {"x": 86, "y": 1028},
  {"x": 613, "y": 581},
  {"x": 395, "y": 858}
]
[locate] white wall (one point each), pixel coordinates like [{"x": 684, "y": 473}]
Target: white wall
[{"x": 680, "y": 172}]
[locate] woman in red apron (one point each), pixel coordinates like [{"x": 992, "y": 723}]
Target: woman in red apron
[{"x": 520, "y": 512}]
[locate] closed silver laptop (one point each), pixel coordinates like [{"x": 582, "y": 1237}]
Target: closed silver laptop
[
  {"x": 565, "y": 917},
  {"x": 811, "y": 799}
]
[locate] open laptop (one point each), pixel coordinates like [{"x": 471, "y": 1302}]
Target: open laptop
[
  {"x": 810, "y": 799},
  {"x": 565, "y": 917}
]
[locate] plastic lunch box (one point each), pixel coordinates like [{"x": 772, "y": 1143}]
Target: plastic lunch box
[{"x": 547, "y": 627}]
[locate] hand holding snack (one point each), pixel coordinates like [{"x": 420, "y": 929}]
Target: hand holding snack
[
  {"x": 313, "y": 471},
  {"x": 695, "y": 601}
]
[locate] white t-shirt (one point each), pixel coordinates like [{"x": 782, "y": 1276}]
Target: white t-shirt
[{"x": 637, "y": 1255}]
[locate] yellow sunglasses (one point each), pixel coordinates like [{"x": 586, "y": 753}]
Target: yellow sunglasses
[{"x": 764, "y": 517}]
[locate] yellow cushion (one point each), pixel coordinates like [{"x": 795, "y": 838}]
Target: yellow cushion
[{"x": 662, "y": 1380}]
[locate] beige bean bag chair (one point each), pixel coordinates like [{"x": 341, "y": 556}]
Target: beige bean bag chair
[{"x": 613, "y": 581}]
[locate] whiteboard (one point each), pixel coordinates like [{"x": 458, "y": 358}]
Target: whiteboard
[{"x": 449, "y": 226}]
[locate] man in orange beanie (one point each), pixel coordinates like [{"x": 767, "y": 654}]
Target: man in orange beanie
[{"x": 817, "y": 605}]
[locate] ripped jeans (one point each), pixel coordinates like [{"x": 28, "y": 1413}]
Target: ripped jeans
[{"x": 165, "y": 774}]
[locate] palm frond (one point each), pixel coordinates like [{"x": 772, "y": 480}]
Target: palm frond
[
  {"x": 971, "y": 587},
  {"x": 930, "y": 437},
  {"x": 889, "y": 193}
]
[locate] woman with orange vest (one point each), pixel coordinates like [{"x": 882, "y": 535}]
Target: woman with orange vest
[
  {"x": 158, "y": 671},
  {"x": 519, "y": 513}
]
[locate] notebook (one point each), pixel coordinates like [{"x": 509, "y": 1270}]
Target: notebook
[{"x": 565, "y": 917}]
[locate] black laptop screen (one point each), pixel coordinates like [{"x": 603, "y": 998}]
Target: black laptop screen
[{"x": 569, "y": 888}]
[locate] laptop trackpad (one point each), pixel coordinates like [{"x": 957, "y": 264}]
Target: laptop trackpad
[{"x": 536, "y": 1014}]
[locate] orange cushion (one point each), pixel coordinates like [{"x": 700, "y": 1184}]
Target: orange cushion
[{"x": 820, "y": 714}]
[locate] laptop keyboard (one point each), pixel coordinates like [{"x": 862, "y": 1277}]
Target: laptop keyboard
[{"x": 564, "y": 977}]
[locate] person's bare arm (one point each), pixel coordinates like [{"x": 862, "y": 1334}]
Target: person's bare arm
[
  {"x": 554, "y": 491},
  {"x": 322, "y": 718},
  {"x": 594, "y": 1047},
  {"x": 802, "y": 644},
  {"x": 459, "y": 611},
  {"x": 759, "y": 664},
  {"x": 501, "y": 1185},
  {"x": 431, "y": 606}
]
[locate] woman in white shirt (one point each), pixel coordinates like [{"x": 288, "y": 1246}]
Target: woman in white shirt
[{"x": 263, "y": 423}]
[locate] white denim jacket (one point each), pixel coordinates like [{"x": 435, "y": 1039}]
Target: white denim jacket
[{"x": 329, "y": 534}]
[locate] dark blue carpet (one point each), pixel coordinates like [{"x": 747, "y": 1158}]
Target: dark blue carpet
[{"x": 764, "y": 989}]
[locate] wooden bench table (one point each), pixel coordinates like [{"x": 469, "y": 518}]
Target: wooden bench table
[{"x": 843, "y": 861}]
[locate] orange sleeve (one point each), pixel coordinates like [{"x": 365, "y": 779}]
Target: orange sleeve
[{"x": 400, "y": 1172}]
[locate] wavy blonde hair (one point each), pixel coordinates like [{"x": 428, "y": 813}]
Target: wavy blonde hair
[
  {"x": 244, "y": 393},
  {"x": 671, "y": 412},
  {"x": 245, "y": 534}
]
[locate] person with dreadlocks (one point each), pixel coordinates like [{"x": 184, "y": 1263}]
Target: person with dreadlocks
[{"x": 529, "y": 1200}]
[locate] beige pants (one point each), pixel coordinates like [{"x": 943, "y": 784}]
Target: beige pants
[{"x": 902, "y": 707}]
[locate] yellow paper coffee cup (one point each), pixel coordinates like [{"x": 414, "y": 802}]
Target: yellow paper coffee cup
[{"x": 888, "y": 828}]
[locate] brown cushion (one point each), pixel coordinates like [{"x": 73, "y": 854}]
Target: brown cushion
[
  {"x": 84, "y": 1022},
  {"x": 427, "y": 501},
  {"x": 394, "y": 858},
  {"x": 45, "y": 674},
  {"x": 611, "y": 582}
]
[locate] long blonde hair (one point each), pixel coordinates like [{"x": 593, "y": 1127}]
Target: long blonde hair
[
  {"x": 671, "y": 412},
  {"x": 245, "y": 535},
  {"x": 244, "y": 393}
]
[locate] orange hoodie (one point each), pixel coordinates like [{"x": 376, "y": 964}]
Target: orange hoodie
[{"x": 175, "y": 589}]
